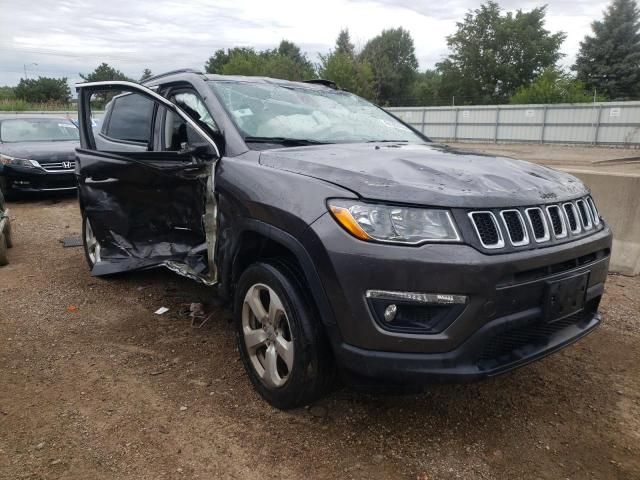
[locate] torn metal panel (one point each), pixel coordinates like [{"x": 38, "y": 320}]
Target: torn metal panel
[{"x": 147, "y": 216}]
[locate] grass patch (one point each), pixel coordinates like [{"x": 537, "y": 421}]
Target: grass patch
[{"x": 15, "y": 105}]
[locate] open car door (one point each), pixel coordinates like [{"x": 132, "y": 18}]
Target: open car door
[{"x": 145, "y": 204}]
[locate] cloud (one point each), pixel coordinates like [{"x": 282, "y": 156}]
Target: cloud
[{"x": 65, "y": 37}]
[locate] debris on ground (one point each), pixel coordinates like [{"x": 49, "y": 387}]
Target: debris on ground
[
  {"x": 72, "y": 241},
  {"x": 161, "y": 311}
]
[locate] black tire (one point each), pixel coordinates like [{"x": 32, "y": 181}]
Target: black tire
[
  {"x": 8, "y": 234},
  {"x": 4, "y": 259},
  {"x": 4, "y": 192},
  {"x": 312, "y": 372}
]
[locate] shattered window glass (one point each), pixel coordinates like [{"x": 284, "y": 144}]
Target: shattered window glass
[{"x": 269, "y": 110}]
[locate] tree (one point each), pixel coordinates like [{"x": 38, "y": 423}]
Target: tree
[
  {"x": 145, "y": 75},
  {"x": 347, "y": 70},
  {"x": 348, "y": 73},
  {"x": 344, "y": 45},
  {"x": 426, "y": 90},
  {"x": 493, "y": 54},
  {"x": 553, "y": 86},
  {"x": 43, "y": 89},
  {"x": 103, "y": 73},
  {"x": 286, "y": 62},
  {"x": 393, "y": 60},
  {"x": 609, "y": 61}
]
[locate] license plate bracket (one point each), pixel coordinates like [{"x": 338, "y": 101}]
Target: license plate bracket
[{"x": 565, "y": 297}]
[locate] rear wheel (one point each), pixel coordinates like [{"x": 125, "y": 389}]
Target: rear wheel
[
  {"x": 4, "y": 259},
  {"x": 8, "y": 235},
  {"x": 279, "y": 337},
  {"x": 90, "y": 242}
]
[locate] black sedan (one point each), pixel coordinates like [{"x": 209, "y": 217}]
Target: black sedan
[{"x": 37, "y": 153}]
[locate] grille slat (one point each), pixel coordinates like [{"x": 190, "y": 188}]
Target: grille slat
[
  {"x": 515, "y": 227},
  {"x": 487, "y": 229},
  {"x": 557, "y": 221},
  {"x": 572, "y": 217},
  {"x": 538, "y": 224},
  {"x": 585, "y": 216},
  {"x": 594, "y": 211}
]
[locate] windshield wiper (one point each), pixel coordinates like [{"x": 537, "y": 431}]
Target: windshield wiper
[
  {"x": 387, "y": 141},
  {"x": 284, "y": 141}
]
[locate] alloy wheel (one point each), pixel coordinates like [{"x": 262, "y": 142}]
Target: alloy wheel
[{"x": 267, "y": 335}]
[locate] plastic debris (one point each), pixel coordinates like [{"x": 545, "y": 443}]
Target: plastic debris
[{"x": 161, "y": 311}]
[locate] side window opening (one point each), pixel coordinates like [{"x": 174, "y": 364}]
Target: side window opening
[
  {"x": 130, "y": 119},
  {"x": 177, "y": 133}
]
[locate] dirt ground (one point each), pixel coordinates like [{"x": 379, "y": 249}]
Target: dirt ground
[{"x": 94, "y": 385}]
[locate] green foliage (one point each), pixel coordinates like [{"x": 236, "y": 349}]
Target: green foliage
[
  {"x": 553, "y": 86},
  {"x": 344, "y": 45},
  {"x": 145, "y": 74},
  {"x": 426, "y": 90},
  {"x": 348, "y": 72},
  {"x": 493, "y": 54},
  {"x": 393, "y": 61},
  {"x": 285, "y": 62},
  {"x": 7, "y": 93},
  {"x": 103, "y": 73},
  {"x": 43, "y": 89},
  {"x": 610, "y": 59},
  {"x": 16, "y": 105}
]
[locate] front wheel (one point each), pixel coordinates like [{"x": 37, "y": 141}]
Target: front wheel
[{"x": 279, "y": 337}]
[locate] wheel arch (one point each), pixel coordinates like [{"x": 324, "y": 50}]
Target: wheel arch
[{"x": 254, "y": 240}]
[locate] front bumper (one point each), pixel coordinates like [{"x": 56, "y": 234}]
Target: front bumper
[
  {"x": 502, "y": 326},
  {"x": 20, "y": 179}
]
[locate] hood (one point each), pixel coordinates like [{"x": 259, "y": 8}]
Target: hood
[
  {"x": 43, "y": 152},
  {"x": 427, "y": 174}
]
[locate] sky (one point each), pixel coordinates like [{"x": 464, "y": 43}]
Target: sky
[{"x": 65, "y": 37}]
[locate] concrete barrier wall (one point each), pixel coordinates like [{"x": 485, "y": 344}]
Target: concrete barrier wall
[{"x": 617, "y": 196}]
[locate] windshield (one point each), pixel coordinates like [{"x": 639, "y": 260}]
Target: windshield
[
  {"x": 37, "y": 130},
  {"x": 262, "y": 111}
]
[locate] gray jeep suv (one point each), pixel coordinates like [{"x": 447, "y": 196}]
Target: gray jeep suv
[{"x": 344, "y": 239}]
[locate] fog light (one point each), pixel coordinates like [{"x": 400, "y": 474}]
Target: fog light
[{"x": 390, "y": 313}]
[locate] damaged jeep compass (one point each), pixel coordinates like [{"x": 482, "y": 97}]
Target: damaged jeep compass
[{"x": 345, "y": 240}]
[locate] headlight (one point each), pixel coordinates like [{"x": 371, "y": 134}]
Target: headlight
[
  {"x": 22, "y": 162},
  {"x": 396, "y": 224}
]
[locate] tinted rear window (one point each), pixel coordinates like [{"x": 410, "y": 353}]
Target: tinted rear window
[{"x": 130, "y": 118}]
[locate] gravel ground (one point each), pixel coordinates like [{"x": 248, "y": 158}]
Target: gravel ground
[{"x": 95, "y": 386}]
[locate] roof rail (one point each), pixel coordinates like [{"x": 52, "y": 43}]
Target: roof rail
[
  {"x": 322, "y": 81},
  {"x": 172, "y": 72}
]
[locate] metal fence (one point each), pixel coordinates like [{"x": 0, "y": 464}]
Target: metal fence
[{"x": 606, "y": 123}]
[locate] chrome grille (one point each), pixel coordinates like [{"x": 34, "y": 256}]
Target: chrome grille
[
  {"x": 542, "y": 224},
  {"x": 59, "y": 166}
]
